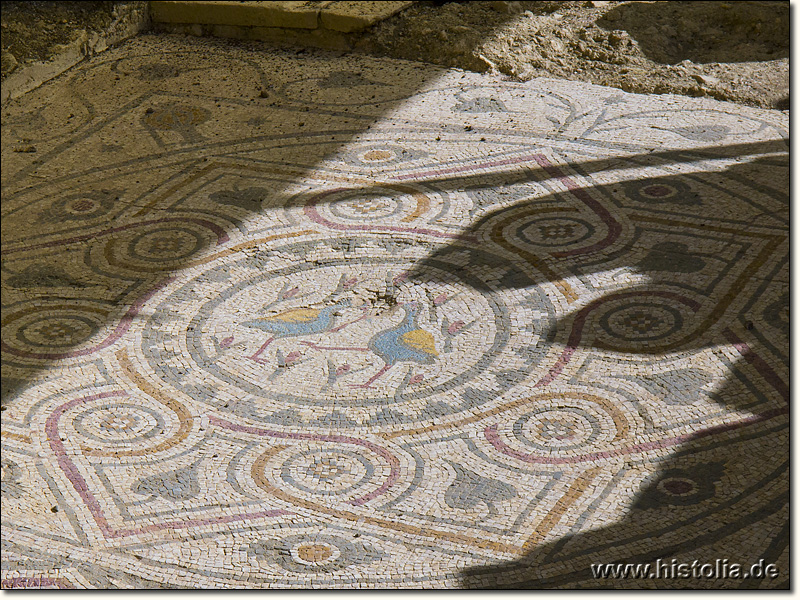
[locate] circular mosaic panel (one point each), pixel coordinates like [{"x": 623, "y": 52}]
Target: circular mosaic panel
[{"x": 334, "y": 336}]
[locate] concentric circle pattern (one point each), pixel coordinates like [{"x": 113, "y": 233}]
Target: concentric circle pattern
[
  {"x": 326, "y": 472},
  {"x": 118, "y": 424},
  {"x": 348, "y": 338},
  {"x": 50, "y": 329},
  {"x": 571, "y": 426},
  {"x": 63, "y": 331},
  {"x": 319, "y": 321},
  {"x": 164, "y": 244},
  {"x": 554, "y": 232},
  {"x": 366, "y": 207},
  {"x": 641, "y": 322}
]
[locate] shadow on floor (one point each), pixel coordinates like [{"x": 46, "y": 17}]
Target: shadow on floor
[
  {"x": 174, "y": 94},
  {"x": 706, "y": 488},
  {"x": 711, "y": 489}
]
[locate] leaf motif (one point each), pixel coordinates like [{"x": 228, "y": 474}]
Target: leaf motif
[
  {"x": 12, "y": 473},
  {"x": 249, "y": 199},
  {"x": 705, "y": 133},
  {"x": 672, "y": 257},
  {"x": 42, "y": 276},
  {"x": 470, "y": 489},
  {"x": 180, "y": 484}
]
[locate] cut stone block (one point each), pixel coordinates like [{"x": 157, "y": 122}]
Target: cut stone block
[
  {"x": 355, "y": 16},
  {"x": 293, "y": 15},
  {"x": 344, "y": 17},
  {"x": 314, "y": 38}
]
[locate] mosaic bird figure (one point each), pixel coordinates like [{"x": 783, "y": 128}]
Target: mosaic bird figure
[
  {"x": 406, "y": 342},
  {"x": 295, "y": 322}
]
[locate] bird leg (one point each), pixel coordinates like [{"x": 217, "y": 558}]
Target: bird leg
[
  {"x": 255, "y": 356},
  {"x": 318, "y": 347},
  {"x": 372, "y": 379},
  {"x": 343, "y": 325}
]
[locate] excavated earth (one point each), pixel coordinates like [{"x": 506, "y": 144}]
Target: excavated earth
[
  {"x": 37, "y": 31},
  {"x": 733, "y": 51}
]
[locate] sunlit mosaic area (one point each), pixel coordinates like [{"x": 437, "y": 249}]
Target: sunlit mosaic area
[{"x": 273, "y": 321}]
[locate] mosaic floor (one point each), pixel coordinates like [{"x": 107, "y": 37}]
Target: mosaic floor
[{"x": 316, "y": 321}]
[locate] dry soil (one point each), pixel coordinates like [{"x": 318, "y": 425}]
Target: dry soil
[{"x": 735, "y": 51}]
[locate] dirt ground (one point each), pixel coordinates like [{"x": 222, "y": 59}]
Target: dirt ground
[
  {"x": 36, "y": 31},
  {"x": 734, "y": 51}
]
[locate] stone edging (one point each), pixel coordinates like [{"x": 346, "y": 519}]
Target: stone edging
[
  {"x": 130, "y": 19},
  {"x": 329, "y": 25},
  {"x": 318, "y": 24}
]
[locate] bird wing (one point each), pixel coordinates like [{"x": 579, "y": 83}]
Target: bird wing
[
  {"x": 296, "y": 315},
  {"x": 421, "y": 340}
]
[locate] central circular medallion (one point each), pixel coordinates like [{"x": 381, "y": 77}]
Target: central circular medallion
[{"x": 291, "y": 338}]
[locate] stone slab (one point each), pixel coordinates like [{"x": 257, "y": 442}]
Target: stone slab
[
  {"x": 338, "y": 16},
  {"x": 357, "y": 16},
  {"x": 295, "y": 15},
  {"x": 280, "y": 36}
]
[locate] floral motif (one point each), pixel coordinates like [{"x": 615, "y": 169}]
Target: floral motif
[
  {"x": 320, "y": 554},
  {"x": 682, "y": 486}
]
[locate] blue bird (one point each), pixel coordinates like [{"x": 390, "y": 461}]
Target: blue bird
[
  {"x": 406, "y": 342},
  {"x": 295, "y": 322}
]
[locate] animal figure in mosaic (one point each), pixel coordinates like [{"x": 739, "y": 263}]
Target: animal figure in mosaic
[
  {"x": 295, "y": 322},
  {"x": 406, "y": 342}
]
